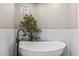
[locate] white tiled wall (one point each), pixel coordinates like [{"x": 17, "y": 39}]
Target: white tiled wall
[
  {"x": 74, "y": 43},
  {"x": 69, "y": 36},
  {"x": 4, "y": 46},
  {"x": 7, "y": 42},
  {"x": 58, "y": 35}
]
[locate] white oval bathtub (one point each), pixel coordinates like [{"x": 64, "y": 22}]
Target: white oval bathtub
[{"x": 27, "y": 48}]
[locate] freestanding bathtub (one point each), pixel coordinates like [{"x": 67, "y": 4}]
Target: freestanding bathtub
[{"x": 28, "y": 48}]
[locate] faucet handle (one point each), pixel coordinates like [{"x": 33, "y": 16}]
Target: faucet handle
[{"x": 18, "y": 34}]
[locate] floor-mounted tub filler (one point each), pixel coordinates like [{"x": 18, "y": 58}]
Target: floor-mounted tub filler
[{"x": 28, "y": 48}]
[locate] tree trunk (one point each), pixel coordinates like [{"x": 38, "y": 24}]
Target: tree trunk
[{"x": 30, "y": 33}]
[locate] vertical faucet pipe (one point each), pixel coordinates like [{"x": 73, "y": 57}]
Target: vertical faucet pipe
[{"x": 17, "y": 41}]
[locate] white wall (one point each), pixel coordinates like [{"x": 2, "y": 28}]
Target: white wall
[
  {"x": 75, "y": 37},
  {"x": 7, "y": 15},
  {"x": 73, "y": 15},
  {"x": 69, "y": 36},
  {"x": 4, "y": 46},
  {"x": 58, "y": 35},
  {"x": 7, "y": 34},
  {"x": 53, "y": 15},
  {"x": 7, "y": 42},
  {"x": 75, "y": 43},
  {"x": 56, "y": 15},
  {"x": 50, "y": 15},
  {"x": 78, "y": 15}
]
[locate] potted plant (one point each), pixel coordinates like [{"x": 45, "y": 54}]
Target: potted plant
[{"x": 30, "y": 28}]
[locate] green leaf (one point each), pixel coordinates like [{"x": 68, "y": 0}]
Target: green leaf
[{"x": 29, "y": 24}]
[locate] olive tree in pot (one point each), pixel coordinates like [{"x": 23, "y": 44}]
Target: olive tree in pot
[{"x": 30, "y": 28}]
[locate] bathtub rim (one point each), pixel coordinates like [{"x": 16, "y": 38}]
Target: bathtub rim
[{"x": 43, "y": 42}]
